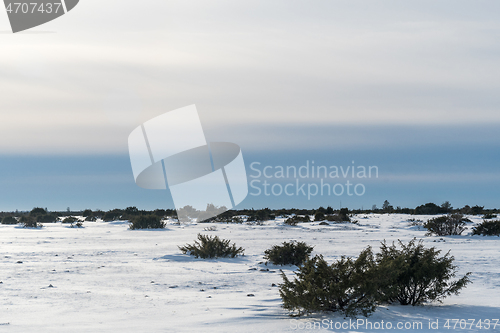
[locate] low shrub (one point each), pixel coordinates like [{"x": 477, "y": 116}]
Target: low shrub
[
  {"x": 446, "y": 225},
  {"x": 289, "y": 253},
  {"x": 294, "y": 220},
  {"x": 112, "y": 215},
  {"x": 416, "y": 223},
  {"x": 9, "y": 220},
  {"x": 70, "y": 219},
  {"x": 486, "y": 228},
  {"x": 344, "y": 286},
  {"x": 338, "y": 218},
  {"x": 341, "y": 216},
  {"x": 211, "y": 247},
  {"x": 29, "y": 222},
  {"x": 211, "y": 228},
  {"x": 319, "y": 216},
  {"x": 42, "y": 215},
  {"x": 489, "y": 216},
  {"x": 414, "y": 275},
  {"x": 344, "y": 214},
  {"x": 147, "y": 222}
]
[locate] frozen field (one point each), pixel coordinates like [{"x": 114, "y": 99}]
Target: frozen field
[{"x": 106, "y": 278}]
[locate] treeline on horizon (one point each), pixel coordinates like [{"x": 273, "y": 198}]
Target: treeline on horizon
[{"x": 44, "y": 215}]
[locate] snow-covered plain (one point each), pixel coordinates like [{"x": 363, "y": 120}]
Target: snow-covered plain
[{"x": 107, "y": 278}]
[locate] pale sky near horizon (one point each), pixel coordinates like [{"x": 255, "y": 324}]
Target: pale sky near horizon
[{"x": 298, "y": 78}]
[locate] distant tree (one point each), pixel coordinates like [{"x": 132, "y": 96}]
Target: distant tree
[
  {"x": 41, "y": 215},
  {"x": 171, "y": 212},
  {"x": 428, "y": 209},
  {"x": 406, "y": 211},
  {"x": 465, "y": 210},
  {"x": 321, "y": 209},
  {"x": 112, "y": 215},
  {"x": 319, "y": 216},
  {"x": 344, "y": 214},
  {"x": 98, "y": 213},
  {"x": 129, "y": 213},
  {"x": 386, "y": 207},
  {"x": 476, "y": 210},
  {"x": 38, "y": 211},
  {"x": 160, "y": 212},
  {"x": 261, "y": 215},
  {"x": 132, "y": 210},
  {"x": 9, "y": 220},
  {"x": 446, "y": 207},
  {"x": 87, "y": 212}
]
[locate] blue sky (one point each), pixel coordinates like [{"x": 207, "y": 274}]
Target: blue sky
[{"x": 409, "y": 87}]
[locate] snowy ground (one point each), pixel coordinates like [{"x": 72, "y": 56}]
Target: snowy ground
[{"x": 106, "y": 278}]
